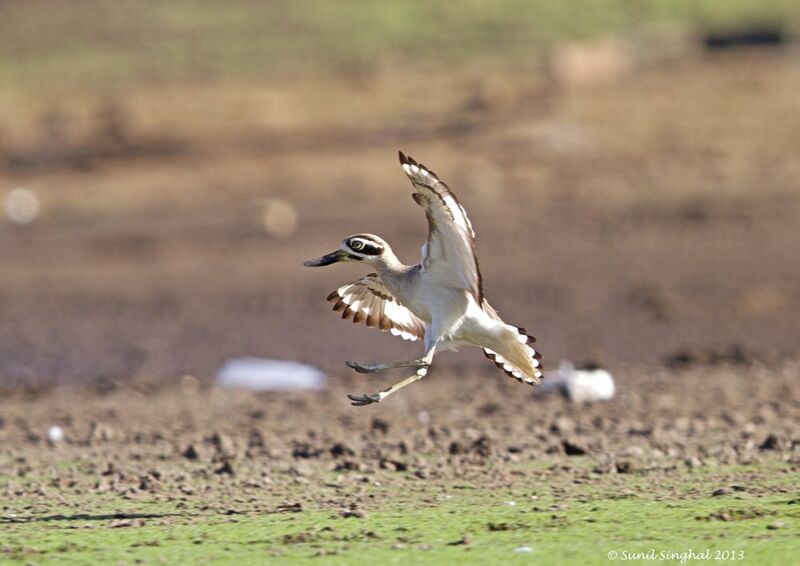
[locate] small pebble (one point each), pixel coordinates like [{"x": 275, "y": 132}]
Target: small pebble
[
  {"x": 522, "y": 549},
  {"x": 55, "y": 434},
  {"x": 352, "y": 513}
]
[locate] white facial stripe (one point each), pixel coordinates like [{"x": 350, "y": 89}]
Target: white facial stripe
[{"x": 364, "y": 246}]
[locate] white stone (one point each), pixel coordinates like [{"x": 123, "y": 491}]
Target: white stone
[
  {"x": 579, "y": 385},
  {"x": 523, "y": 549},
  {"x": 55, "y": 434},
  {"x": 258, "y": 374}
]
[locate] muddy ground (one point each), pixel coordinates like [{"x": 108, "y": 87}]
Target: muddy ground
[
  {"x": 698, "y": 458},
  {"x": 159, "y": 440}
]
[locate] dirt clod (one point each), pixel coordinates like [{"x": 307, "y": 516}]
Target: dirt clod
[
  {"x": 225, "y": 469},
  {"x": 190, "y": 453},
  {"x": 574, "y": 447},
  {"x": 776, "y": 525},
  {"x": 290, "y": 507},
  {"x": 771, "y": 442}
]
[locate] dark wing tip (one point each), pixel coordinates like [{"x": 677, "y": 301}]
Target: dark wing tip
[{"x": 407, "y": 160}]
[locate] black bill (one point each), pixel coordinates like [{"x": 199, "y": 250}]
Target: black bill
[{"x": 333, "y": 257}]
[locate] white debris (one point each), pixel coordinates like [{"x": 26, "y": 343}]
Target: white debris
[
  {"x": 259, "y": 374},
  {"x": 587, "y": 386},
  {"x": 279, "y": 218},
  {"x": 22, "y": 206},
  {"x": 424, "y": 417},
  {"x": 579, "y": 385},
  {"x": 55, "y": 434},
  {"x": 521, "y": 549}
]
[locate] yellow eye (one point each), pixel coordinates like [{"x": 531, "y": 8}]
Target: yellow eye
[{"x": 357, "y": 245}]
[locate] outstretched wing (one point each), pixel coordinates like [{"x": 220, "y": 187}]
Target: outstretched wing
[
  {"x": 368, "y": 301},
  {"x": 449, "y": 254}
]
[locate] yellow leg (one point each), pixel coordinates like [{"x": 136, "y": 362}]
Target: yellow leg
[{"x": 369, "y": 398}]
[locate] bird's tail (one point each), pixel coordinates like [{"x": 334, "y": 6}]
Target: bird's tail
[
  {"x": 515, "y": 355},
  {"x": 512, "y": 350}
]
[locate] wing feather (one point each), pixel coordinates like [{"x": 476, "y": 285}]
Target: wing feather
[
  {"x": 368, "y": 301},
  {"x": 449, "y": 253}
]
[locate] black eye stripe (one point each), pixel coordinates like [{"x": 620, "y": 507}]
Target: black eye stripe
[{"x": 369, "y": 248}]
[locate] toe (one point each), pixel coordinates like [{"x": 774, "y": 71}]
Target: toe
[
  {"x": 358, "y": 367},
  {"x": 361, "y": 400}
]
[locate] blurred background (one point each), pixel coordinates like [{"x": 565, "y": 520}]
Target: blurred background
[{"x": 631, "y": 169}]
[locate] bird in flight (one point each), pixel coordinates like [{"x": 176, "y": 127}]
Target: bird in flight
[{"x": 439, "y": 301}]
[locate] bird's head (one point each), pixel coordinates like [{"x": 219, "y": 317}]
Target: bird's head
[{"x": 368, "y": 248}]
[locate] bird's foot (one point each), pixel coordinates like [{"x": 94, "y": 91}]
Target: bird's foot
[
  {"x": 366, "y": 368},
  {"x": 369, "y": 398},
  {"x": 366, "y": 399}
]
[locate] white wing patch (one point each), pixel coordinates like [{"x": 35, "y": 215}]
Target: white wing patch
[
  {"x": 368, "y": 301},
  {"x": 449, "y": 254}
]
